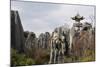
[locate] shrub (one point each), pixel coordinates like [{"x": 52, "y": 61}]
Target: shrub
[{"x": 20, "y": 59}]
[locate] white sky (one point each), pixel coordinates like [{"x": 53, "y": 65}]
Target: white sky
[{"x": 44, "y": 17}]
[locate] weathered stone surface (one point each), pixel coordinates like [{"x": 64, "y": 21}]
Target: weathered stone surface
[
  {"x": 59, "y": 44},
  {"x": 30, "y": 41},
  {"x": 17, "y": 34},
  {"x": 43, "y": 40},
  {"x": 57, "y": 48},
  {"x": 64, "y": 31}
]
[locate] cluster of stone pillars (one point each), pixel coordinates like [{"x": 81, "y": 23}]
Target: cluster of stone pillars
[{"x": 57, "y": 49}]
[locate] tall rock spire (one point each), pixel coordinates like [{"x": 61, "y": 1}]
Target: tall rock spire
[{"x": 17, "y": 32}]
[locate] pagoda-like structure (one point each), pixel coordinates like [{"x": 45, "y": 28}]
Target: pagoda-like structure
[{"x": 77, "y": 19}]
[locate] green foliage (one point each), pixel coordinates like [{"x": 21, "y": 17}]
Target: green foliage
[
  {"x": 20, "y": 59},
  {"x": 87, "y": 55},
  {"x": 41, "y": 56}
]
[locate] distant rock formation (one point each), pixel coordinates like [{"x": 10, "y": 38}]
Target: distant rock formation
[
  {"x": 30, "y": 40},
  {"x": 43, "y": 40},
  {"x": 17, "y": 33}
]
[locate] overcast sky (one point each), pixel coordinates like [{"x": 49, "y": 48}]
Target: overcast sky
[{"x": 43, "y": 17}]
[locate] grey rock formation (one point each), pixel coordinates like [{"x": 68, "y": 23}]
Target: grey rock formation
[
  {"x": 30, "y": 41},
  {"x": 43, "y": 40},
  {"x": 17, "y": 33},
  {"x": 57, "y": 48},
  {"x": 64, "y": 31},
  {"x": 59, "y": 44}
]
